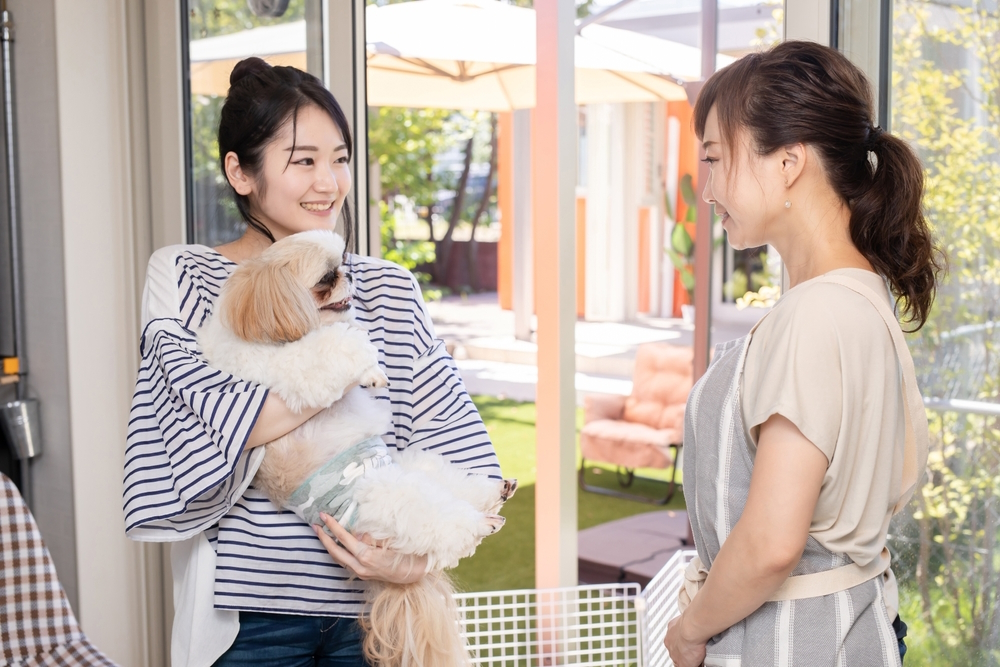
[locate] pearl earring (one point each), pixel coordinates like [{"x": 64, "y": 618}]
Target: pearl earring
[{"x": 788, "y": 204}]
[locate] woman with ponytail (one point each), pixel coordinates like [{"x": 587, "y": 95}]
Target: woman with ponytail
[
  {"x": 806, "y": 436},
  {"x": 254, "y": 584}
]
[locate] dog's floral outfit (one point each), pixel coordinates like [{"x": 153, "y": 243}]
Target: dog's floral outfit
[{"x": 330, "y": 489}]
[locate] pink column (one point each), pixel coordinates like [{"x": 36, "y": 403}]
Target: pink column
[{"x": 554, "y": 137}]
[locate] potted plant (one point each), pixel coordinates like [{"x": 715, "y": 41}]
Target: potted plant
[{"x": 681, "y": 246}]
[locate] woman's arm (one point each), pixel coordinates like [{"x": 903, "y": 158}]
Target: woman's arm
[
  {"x": 765, "y": 544},
  {"x": 275, "y": 420}
]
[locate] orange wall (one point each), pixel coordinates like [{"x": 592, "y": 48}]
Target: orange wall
[{"x": 644, "y": 268}]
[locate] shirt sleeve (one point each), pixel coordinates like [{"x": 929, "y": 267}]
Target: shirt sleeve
[
  {"x": 444, "y": 419},
  {"x": 185, "y": 464},
  {"x": 793, "y": 368}
]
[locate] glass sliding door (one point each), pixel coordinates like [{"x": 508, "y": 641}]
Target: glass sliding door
[
  {"x": 218, "y": 34},
  {"x": 945, "y": 101}
]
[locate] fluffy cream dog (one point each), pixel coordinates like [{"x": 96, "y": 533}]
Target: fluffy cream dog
[{"x": 285, "y": 320}]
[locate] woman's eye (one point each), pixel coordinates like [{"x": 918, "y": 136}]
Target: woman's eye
[
  {"x": 306, "y": 161},
  {"x": 710, "y": 160},
  {"x": 341, "y": 160}
]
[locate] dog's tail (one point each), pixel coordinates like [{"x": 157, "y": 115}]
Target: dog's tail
[{"x": 414, "y": 625}]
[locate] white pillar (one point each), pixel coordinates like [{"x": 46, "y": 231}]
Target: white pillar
[
  {"x": 523, "y": 262},
  {"x": 633, "y": 191},
  {"x": 607, "y": 236}
]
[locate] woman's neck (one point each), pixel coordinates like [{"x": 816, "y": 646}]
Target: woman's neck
[
  {"x": 817, "y": 240},
  {"x": 248, "y": 246}
]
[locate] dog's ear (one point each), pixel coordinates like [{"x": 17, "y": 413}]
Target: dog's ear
[{"x": 264, "y": 303}]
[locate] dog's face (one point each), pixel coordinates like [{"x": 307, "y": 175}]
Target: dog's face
[
  {"x": 334, "y": 294},
  {"x": 292, "y": 288}
]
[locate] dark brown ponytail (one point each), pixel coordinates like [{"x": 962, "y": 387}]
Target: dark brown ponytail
[{"x": 801, "y": 92}]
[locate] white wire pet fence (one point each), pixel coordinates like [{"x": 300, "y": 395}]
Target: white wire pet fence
[{"x": 603, "y": 625}]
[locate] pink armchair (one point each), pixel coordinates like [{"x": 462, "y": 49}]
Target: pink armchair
[{"x": 640, "y": 430}]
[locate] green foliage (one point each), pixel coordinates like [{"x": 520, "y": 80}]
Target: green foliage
[
  {"x": 211, "y": 18},
  {"x": 404, "y": 143},
  {"x": 770, "y": 33},
  {"x": 948, "y": 108},
  {"x": 927, "y": 647},
  {"x": 408, "y": 254},
  {"x": 740, "y": 284}
]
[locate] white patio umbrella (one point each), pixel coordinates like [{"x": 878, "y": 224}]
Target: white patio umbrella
[
  {"x": 480, "y": 54},
  {"x": 465, "y": 54},
  {"x": 213, "y": 58}
]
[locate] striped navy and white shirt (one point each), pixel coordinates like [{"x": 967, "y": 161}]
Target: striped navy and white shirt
[{"x": 186, "y": 471}]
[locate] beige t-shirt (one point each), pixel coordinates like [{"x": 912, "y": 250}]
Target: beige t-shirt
[{"x": 823, "y": 358}]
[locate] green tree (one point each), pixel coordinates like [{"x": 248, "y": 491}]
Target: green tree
[
  {"x": 946, "y": 103},
  {"x": 211, "y": 18},
  {"x": 405, "y": 143}
]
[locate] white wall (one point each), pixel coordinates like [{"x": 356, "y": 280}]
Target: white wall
[{"x": 100, "y": 300}]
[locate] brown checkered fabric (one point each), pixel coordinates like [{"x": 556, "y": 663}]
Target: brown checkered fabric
[{"x": 37, "y": 626}]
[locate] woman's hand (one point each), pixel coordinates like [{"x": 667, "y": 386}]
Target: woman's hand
[
  {"x": 366, "y": 560},
  {"x": 684, "y": 652}
]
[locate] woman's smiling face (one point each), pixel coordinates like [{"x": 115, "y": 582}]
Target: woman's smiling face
[
  {"x": 305, "y": 177},
  {"x": 745, "y": 188}
]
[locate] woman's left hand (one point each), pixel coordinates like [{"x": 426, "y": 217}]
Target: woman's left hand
[
  {"x": 366, "y": 560},
  {"x": 683, "y": 652}
]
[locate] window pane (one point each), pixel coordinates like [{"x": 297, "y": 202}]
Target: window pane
[
  {"x": 220, "y": 34},
  {"x": 946, "y": 103}
]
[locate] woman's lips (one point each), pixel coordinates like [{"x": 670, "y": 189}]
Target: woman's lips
[{"x": 319, "y": 209}]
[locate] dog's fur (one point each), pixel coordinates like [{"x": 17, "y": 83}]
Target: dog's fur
[{"x": 285, "y": 320}]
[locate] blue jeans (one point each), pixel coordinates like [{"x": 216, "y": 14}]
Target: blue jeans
[
  {"x": 900, "y": 629},
  {"x": 282, "y": 640}
]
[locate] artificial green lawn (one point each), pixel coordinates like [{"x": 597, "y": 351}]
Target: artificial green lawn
[{"x": 507, "y": 560}]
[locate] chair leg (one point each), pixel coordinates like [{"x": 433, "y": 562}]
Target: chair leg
[
  {"x": 672, "y": 487},
  {"x": 625, "y": 479},
  {"x": 673, "y": 474}
]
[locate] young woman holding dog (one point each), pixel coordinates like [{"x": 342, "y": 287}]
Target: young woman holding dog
[
  {"x": 254, "y": 584},
  {"x": 804, "y": 438}
]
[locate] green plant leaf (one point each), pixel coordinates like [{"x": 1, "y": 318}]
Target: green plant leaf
[
  {"x": 667, "y": 207},
  {"x": 687, "y": 191},
  {"x": 681, "y": 241},
  {"x": 679, "y": 261},
  {"x": 687, "y": 278}
]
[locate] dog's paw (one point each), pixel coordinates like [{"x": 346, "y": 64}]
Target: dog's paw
[
  {"x": 374, "y": 377},
  {"x": 493, "y": 523},
  {"x": 509, "y": 487}
]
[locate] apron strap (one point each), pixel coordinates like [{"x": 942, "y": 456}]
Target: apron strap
[
  {"x": 915, "y": 453},
  {"x": 831, "y": 581}
]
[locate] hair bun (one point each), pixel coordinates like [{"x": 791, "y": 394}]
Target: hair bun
[{"x": 247, "y": 67}]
